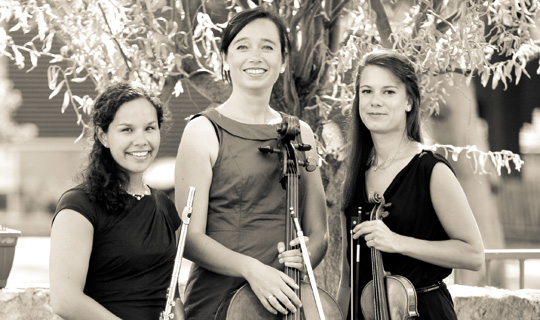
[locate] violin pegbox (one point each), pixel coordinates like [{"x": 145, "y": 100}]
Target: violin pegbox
[{"x": 381, "y": 211}]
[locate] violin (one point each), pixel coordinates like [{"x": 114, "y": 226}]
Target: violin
[
  {"x": 386, "y": 297},
  {"x": 316, "y": 303}
]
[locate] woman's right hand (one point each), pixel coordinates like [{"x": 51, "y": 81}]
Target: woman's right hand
[{"x": 274, "y": 288}]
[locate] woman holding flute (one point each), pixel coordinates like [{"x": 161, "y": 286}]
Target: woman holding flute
[{"x": 113, "y": 240}]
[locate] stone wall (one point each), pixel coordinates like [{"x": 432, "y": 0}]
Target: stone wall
[
  {"x": 475, "y": 303},
  {"x": 26, "y": 304},
  {"x": 472, "y": 303}
]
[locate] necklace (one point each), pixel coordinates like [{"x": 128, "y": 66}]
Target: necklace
[
  {"x": 140, "y": 196},
  {"x": 390, "y": 159}
]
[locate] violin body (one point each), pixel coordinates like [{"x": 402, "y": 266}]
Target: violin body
[
  {"x": 401, "y": 297},
  {"x": 244, "y": 304},
  {"x": 386, "y": 297}
]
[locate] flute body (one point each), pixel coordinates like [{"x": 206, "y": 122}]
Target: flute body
[{"x": 174, "y": 308}]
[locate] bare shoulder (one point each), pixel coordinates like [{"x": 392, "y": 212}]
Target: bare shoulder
[
  {"x": 304, "y": 126},
  {"x": 307, "y": 133},
  {"x": 442, "y": 172},
  {"x": 71, "y": 217},
  {"x": 199, "y": 125},
  {"x": 199, "y": 133}
]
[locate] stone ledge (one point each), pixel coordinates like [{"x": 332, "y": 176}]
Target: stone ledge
[
  {"x": 475, "y": 303},
  {"x": 26, "y": 304},
  {"x": 471, "y": 303}
]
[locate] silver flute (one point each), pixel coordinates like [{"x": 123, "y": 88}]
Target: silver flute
[{"x": 174, "y": 309}]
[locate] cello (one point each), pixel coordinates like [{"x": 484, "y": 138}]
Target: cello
[
  {"x": 316, "y": 303},
  {"x": 386, "y": 297}
]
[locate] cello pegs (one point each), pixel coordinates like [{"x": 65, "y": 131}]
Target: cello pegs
[
  {"x": 269, "y": 149},
  {"x": 303, "y": 147},
  {"x": 309, "y": 164}
]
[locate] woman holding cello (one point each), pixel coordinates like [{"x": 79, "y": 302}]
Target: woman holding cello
[
  {"x": 403, "y": 207},
  {"x": 237, "y": 230}
]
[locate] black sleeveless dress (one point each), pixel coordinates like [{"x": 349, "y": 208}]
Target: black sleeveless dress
[
  {"x": 411, "y": 214},
  {"x": 133, "y": 253}
]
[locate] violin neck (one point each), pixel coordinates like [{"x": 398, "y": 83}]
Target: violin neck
[{"x": 380, "y": 299}]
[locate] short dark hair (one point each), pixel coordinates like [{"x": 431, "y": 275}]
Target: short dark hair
[{"x": 242, "y": 19}]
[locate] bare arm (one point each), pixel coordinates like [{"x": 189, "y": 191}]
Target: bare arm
[
  {"x": 315, "y": 223},
  {"x": 197, "y": 154},
  {"x": 71, "y": 245},
  {"x": 464, "y": 249}
]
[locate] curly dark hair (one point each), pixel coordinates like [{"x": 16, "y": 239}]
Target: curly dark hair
[{"x": 103, "y": 177}]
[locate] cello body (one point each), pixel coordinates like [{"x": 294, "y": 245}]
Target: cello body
[{"x": 243, "y": 304}]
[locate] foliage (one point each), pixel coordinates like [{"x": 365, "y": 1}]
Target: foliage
[{"x": 166, "y": 44}]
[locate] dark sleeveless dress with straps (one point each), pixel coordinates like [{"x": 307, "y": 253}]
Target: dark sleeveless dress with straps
[
  {"x": 246, "y": 208},
  {"x": 411, "y": 214}
]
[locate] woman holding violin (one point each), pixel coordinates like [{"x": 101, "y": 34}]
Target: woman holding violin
[
  {"x": 413, "y": 218},
  {"x": 237, "y": 229}
]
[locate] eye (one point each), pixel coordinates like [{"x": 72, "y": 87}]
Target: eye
[
  {"x": 241, "y": 47},
  {"x": 150, "y": 128},
  {"x": 268, "y": 48},
  {"x": 365, "y": 91},
  {"x": 390, "y": 92},
  {"x": 127, "y": 129}
]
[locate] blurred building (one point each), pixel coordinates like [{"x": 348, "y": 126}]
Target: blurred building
[{"x": 36, "y": 170}]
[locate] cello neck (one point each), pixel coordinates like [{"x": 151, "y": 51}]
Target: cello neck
[{"x": 292, "y": 209}]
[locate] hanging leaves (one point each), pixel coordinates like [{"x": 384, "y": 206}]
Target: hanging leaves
[{"x": 162, "y": 43}]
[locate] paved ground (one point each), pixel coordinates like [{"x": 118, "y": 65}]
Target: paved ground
[{"x": 31, "y": 266}]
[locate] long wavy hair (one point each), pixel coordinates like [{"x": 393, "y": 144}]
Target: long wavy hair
[
  {"x": 361, "y": 142},
  {"x": 103, "y": 177},
  {"x": 242, "y": 19}
]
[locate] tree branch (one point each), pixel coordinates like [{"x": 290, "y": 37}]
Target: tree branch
[
  {"x": 421, "y": 16},
  {"x": 383, "y": 25},
  {"x": 126, "y": 60}
]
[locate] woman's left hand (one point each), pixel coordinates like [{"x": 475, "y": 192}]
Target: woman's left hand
[
  {"x": 292, "y": 258},
  {"x": 377, "y": 235}
]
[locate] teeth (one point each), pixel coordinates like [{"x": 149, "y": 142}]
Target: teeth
[
  {"x": 139, "y": 154},
  {"x": 255, "y": 71}
]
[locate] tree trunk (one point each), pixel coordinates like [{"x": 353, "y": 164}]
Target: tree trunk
[{"x": 329, "y": 271}]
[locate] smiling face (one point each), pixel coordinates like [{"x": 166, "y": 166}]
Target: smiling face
[
  {"x": 254, "y": 56},
  {"x": 383, "y": 100},
  {"x": 133, "y": 136}
]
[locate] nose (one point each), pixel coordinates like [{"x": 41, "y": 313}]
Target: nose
[
  {"x": 140, "y": 138},
  {"x": 375, "y": 101},
  {"x": 255, "y": 57}
]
